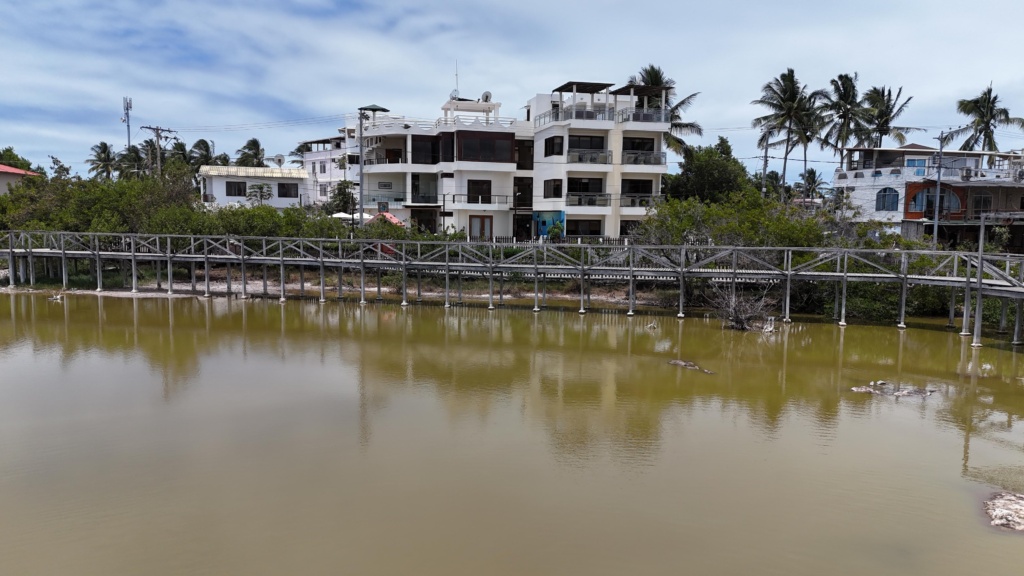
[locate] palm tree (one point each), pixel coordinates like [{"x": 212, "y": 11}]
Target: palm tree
[
  {"x": 200, "y": 154},
  {"x": 789, "y": 105},
  {"x": 251, "y": 154},
  {"x": 986, "y": 116},
  {"x": 299, "y": 151},
  {"x": 813, "y": 183},
  {"x": 884, "y": 110},
  {"x": 811, "y": 123},
  {"x": 652, "y": 75},
  {"x": 103, "y": 162},
  {"x": 845, "y": 114},
  {"x": 152, "y": 155},
  {"x": 130, "y": 162}
]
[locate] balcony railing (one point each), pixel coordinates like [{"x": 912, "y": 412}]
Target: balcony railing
[
  {"x": 643, "y": 158},
  {"x": 581, "y": 156},
  {"x": 645, "y": 115},
  {"x": 524, "y": 200},
  {"x": 636, "y": 201},
  {"x": 424, "y": 199},
  {"x": 566, "y": 114},
  {"x": 580, "y": 199},
  {"x": 372, "y": 161},
  {"x": 504, "y": 200},
  {"x": 392, "y": 198}
]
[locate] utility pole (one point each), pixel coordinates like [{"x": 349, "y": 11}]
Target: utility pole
[
  {"x": 127, "y": 118},
  {"x": 373, "y": 109},
  {"x": 938, "y": 194},
  {"x": 158, "y": 133}
]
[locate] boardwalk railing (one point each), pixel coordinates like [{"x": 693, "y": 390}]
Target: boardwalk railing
[{"x": 1001, "y": 275}]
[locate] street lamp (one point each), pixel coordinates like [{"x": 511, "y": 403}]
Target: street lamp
[{"x": 372, "y": 109}]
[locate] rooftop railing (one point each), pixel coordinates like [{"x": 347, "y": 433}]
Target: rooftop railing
[
  {"x": 574, "y": 113},
  {"x": 645, "y": 115}
]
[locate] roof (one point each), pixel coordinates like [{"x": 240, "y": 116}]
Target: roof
[
  {"x": 640, "y": 90},
  {"x": 248, "y": 172},
  {"x": 915, "y": 147},
  {"x": 583, "y": 87},
  {"x": 5, "y": 169},
  {"x": 389, "y": 217},
  {"x": 338, "y": 138},
  {"x": 949, "y": 151}
]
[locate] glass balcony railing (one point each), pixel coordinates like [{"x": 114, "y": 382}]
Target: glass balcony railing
[
  {"x": 636, "y": 201},
  {"x": 637, "y": 158},
  {"x": 645, "y": 115},
  {"x": 481, "y": 199},
  {"x": 581, "y": 156},
  {"x": 581, "y": 199}
]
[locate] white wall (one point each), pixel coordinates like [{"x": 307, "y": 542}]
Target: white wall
[{"x": 217, "y": 186}]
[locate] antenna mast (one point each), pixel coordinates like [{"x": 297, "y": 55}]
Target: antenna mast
[{"x": 127, "y": 118}]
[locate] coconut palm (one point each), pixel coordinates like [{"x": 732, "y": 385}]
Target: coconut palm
[
  {"x": 299, "y": 151},
  {"x": 810, "y": 124},
  {"x": 200, "y": 154},
  {"x": 178, "y": 152},
  {"x": 813, "y": 183},
  {"x": 845, "y": 114},
  {"x": 986, "y": 116},
  {"x": 152, "y": 155},
  {"x": 884, "y": 111},
  {"x": 130, "y": 163},
  {"x": 251, "y": 154},
  {"x": 103, "y": 162},
  {"x": 789, "y": 104},
  {"x": 652, "y": 75}
]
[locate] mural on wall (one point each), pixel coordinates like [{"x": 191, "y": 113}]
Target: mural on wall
[{"x": 544, "y": 220}]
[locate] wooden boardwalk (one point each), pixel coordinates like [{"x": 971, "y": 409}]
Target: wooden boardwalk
[{"x": 1001, "y": 275}]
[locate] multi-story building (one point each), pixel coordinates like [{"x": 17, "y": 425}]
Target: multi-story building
[
  {"x": 585, "y": 156},
  {"x": 897, "y": 186},
  {"x": 225, "y": 185},
  {"x": 330, "y": 161}
]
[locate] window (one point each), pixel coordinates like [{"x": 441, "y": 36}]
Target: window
[
  {"x": 425, "y": 150},
  {"x": 981, "y": 203},
  {"x": 586, "y": 142},
  {"x": 924, "y": 201},
  {"x": 485, "y": 146},
  {"x": 887, "y": 200},
  {"x": 353, "y": 160},
  {"x": 479, "y": 191},
  {"x": 586, "y": 185},
  {"x": 287, "y": 190},
  {"x": 235, "y": 188},
  {"x": 553, "y": 146},
  {"x": 524, "y": 154},
  {"x": 583, "y": 227},
  {"x": 552, "y": 188},
  {"x": 481, "y": 228},
  {"x": 323, "y": 190},
  {"x": 323, "y": 167},
  {"x": 637, "y": 187},
  {"x": 638, "y": 144},
  {"x": 918, "y": 165}
]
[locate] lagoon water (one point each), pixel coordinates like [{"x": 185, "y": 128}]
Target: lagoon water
[{"x": 189, "y": 436}]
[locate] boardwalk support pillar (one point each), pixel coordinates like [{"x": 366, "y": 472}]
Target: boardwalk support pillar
[
  {"x": 846, "y": 266},
  {"x": 902, "y": 324}
]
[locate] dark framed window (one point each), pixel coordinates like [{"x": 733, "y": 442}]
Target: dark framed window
[
  {"x": 323, "y": 167},
  {"x": 637, "y": 187},
  {"x": 353, "y": 160},
  {"x": 631, "y": 144},
  {"x": 235, "y": 188},
  {"x": 583, "y": 227},
  {"x": 552, "y": 188},
  {"x": 425, "y": 150},
  {"x": 586, "y": 142},
  {"x": 479, "y": 191},
  {"x": 287, "y": 190},
  {"x": 485, "y": 146},
  {"x": 586, "y": 185},
  {"x": 553, "y": 146},
  {"x": 887, "y": 200},
  {"x": 524, "y": 154}
]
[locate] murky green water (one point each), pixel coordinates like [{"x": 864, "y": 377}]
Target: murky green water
[{"x": 185, "y": 436}]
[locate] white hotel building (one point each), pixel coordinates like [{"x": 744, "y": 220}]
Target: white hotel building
[{"x": 585, "y": 155}]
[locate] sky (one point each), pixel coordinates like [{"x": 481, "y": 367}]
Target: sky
[{"x": 295, "y": 70}]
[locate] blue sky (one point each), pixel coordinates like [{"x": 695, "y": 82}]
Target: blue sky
[{"x": 189, "y": 64}]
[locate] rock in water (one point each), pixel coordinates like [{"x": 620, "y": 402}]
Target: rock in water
[{"x": 1006, "y": 510}]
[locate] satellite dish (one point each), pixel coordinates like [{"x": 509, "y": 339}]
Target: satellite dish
[
  {"x": 485, "y": 97},
  {"x": 279, "y": 160},
  {"x": 454, "y": 95}
]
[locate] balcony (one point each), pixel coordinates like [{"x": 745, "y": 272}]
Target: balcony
[
  {"x": 581, "y": 156},
  {"x": 491, "y": 199},
  {"x": 638, "y": 158},
  {"x": 662, "y": 115},
  {"x": 581, "y": 199},
  {"x": 394, "y": 199},
  {"x": 579, "y": 113},
  {"x": 424, "y": 199},
  {"x": 636, "y": 201},
  {"x": 524, "y": 200}
]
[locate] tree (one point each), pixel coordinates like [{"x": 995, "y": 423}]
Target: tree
[
  {"x": 298, "y": 152},
  {"x": 258, "y": 194},
  {"x": 986, "y": 116},
  {"x": 884, "y": 111},
  {"x": 709, "y": 173},
  {"x": 251, "y": 154},
  {"x": 152, "y": 155},
  {"x": 130, "y": 163},
  {"x": 179, "y": 152},
  {"x": 9, "y": 157},
  {"x": 788, "y": 103},
  {"x": 812, "y": 182},
  {"x": 652, "y": 75},
  {"x": 341, "y": 200},
  {"x": 810, "y": 125},
  {"x": 103, "y": 163},
  {"x": 845, "y": 114}
]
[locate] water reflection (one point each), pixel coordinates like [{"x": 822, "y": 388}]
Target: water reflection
[{"x": 597, "y": 385}]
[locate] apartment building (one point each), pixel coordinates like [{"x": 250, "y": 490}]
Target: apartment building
[
  {"x": 331, "y": 160},
  {"x": 584, "y": 155},
  {"x": 898, "y": 186},
  {"x": 225, "y": 185}
]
